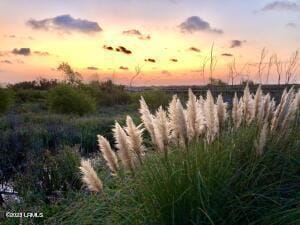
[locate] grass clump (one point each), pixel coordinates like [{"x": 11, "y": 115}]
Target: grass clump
[
  {"x": 220, "y": 183},
  {"x": 206, "y": 167}
]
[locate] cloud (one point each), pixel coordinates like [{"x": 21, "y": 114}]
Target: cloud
[
  {"x": 166, "y": 72},
  {"x": 22, "y": 51},
  {"x": 65, "y": 23},
  {"x": 227, "y": 54},
  {"x": 92, "y": 68},
  {"x": 40, "y": 53},
  {"x": 236, "y": 43},
  {"x": 281, "y": 6},
  {"x": 292, "y": 25},
  {"x": 13, "y": 36},
  {"x": 123, "y": 68},
  {"x": 10, "y": 36},
  {"x": 174, "y": 60},
  {"x": 195, "y": 23},
  {"x": 136, "y": 33},
  {"x": 6, "y": 61},
  {"x": 194, "y": 49},
  {"x": 20, "y": 61},
  {"x": 108, "y": 48},
  {"x": 124, "y": 50},
  {"x": 121, "y": 49},
  {"x": 150, "y": 60}
]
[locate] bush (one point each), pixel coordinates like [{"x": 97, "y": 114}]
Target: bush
[
  {"x": 70, "y": 100},
  {"x": 6, "y": 99},
  {"x": 153, "y": 98},
  {"x": 106, "y": 93},
  {"x": 30, "y": 95}
]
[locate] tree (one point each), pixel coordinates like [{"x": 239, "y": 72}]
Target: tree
[
  {"x": 217, "y": 82},
  {"x": 292, "y": 66},
  {"x": 212, "y": 63},
  {"x": 203, "y": 66},
  {"x": 71, "y": 76},
  {"x": 262, "y": 65},
  {"x": 279, "y": 67},
  {"x": 138, "y": 70}
]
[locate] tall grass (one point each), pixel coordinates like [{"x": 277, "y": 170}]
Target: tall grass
[
  {"x": 215, "y": 170},
  {"x": 225, "y": 182}
]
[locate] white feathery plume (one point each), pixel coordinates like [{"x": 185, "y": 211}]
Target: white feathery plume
[
  {"x": 211, "y": 117},
  {"x": 172, "y": 108},
  {"x": 192, "y": 122},
  {"x": 247, "y": 105},
  {"x": 181, "y": 126},
  {"x": 161, "y": 129},
  {"x": 236, "y": 112},
  {"x": 274, "y": 123},
  {"x": 281, "y": 114},
  {"x": 292, "y": 110},
  {"x": 257, "y": 101},
  {"x": 123, "y": 146},
  {"x": 297, "y": 97},
  {"x": 90, "y": 177},
  {"x": 201, "y": 126},
  {"x": 221, "y": 111},
  {"x": 108, "y": 154},
  {"x": 135, "y": 139},
  {"x": 147, "y": 118},
  {"x": 264, "y": 110},
  {"x": 272, "y": 109},
  {"x": 262, "y": 139}
]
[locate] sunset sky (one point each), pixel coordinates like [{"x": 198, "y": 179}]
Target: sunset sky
[{"x": 168, "y": 39}]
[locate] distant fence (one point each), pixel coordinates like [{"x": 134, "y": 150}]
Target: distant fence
[{"x": 227, "y": 91}]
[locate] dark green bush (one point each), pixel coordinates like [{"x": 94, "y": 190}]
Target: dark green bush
[
  {"x": 30, "y": 95},
  {"x": 107, "y": 93},
  {"x": 6, "y": 99},
  {"x": 70, "y": 100},
  {"x": 153, "y": 98}
]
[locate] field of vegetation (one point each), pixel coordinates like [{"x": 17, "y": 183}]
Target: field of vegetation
[{"x": 97, "y": 154}]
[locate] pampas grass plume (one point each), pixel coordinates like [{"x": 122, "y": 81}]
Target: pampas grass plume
[
  {"x": 90, "y": 177},
  {"x": 262, "y": 139},
  {"x": 108, "y": 154},
  {"x": 123, "y": 146},
  {"x": 147, "y": 118},
  {"x": 135, "y": 139}
]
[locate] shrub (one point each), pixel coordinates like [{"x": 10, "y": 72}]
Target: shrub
[
  {"x": 107, "y": 93},
  {"x": 30, "y": 95},
  {"x": 6, "y": 99},
  {"x": 153, "y": 98},
  {"x": 70, "y": 100}
]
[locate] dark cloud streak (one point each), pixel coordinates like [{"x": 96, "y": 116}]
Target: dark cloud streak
[
  {"x": 22, "y": 51},
  {"x": 195, "y": 23},
  {"x": 136, "y": 33},
  {"x": 281, "y": 6},
  {"x": 194, "y": 49},
  {"x": 92, "y": 68},
  {"x": 150, "y": 60},
  {"x": 65, "y": 23},
  {"x": 236, "y": 43}
]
